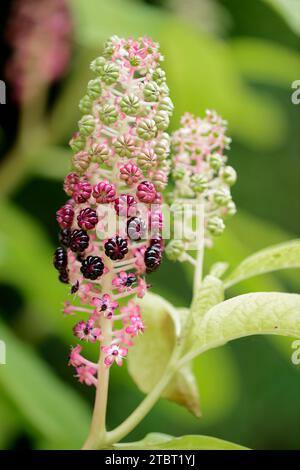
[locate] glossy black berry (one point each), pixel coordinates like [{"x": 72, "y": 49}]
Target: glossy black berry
[
  {"x": 92, "y": 267},
  {"x": 116, "y": 248},
  {"x": 152, "y": 258},
  {"x": 64, "y": 276},
  {"x": 60, "y": 259},
  {"x": 79, "y": 241},
  {"x": 75, "y": 287},
  {"x": 130, "y": 280},
  {"x": 158, "y": 242},
  {"x": 64, "y": 237}
]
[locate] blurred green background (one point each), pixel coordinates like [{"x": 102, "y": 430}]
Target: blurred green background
[{"x": 239, "y": 58}]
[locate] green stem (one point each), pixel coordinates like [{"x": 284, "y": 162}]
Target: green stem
[
  {"x": 200, "y": 249},
  {"x": 97, "y": 434}
]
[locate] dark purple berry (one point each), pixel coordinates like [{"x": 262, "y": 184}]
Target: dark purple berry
[
  {"x": 64, "y": 276},
  {"x": 92, "y": 267},
  {"x": 87, "y": 218},
  {"x": 152, "y": 258},
  {"x": 79, "y": 241},
  {"x": 157, "y": 242},
  {"x": 116, "y": 248},
  {"x": 64, "y": 237},
  {"x": 60, "y": 259}
]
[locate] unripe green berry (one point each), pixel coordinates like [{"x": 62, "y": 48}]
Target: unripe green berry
[
  {"x": 164, "y": 90},
  {"x": 222, "y": 197},
  {"x": 215, "y": 161},
  {"x": 199, "y": 183},
  {"x": 147, "y": 129},
  {"x": 146, "y": 159},
  {"x": 81, "y": 161},
  {"x": 86, "y": 125},
  {"x": 130, "y": 105},
  {"x": 94, "y": 88},
  {"x": 230, "y": 209},
  {"x": 165, "y": 104},
  {"x": 77, "y": 143},
  {"x": 108, "y": 114},
  {"x": 216, "y": 226},
  {"x": 97, "y": 65},
  {"x": 99, "y": 153},
  {"x": 175, "y": 249},
  {"x": 85, "y": 104},
  {"x": 178, "y": 173},
  {"x": 124, "y": 146},
  {"x": 159, "y": 76},
  {"x": 162, "y": 149},
  {"x": 110, "y": 73},
  {"x": 151, "y": 92},
  {"x": 162, "y": 120},
  {"x": 134, "y": 61},
  {"x": 229, "y": 175}
]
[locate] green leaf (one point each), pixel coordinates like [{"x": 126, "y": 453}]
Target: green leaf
[
  {"x": 210, "y": 293},
  {"x": 282, "y": 256},
  {"x": 52, "y": 409},
  {"x": 258, "y": 60},
  {"x": 289, "y": 10},
  {"x": 156, "y": 441},
  {"x": 152, "y": 352},
  {"x": 250, "y": 314}
]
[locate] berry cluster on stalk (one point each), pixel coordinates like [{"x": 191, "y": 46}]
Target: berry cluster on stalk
[
  {"x": 111, "y": 226},
  {"x": 201, "y": 175}
]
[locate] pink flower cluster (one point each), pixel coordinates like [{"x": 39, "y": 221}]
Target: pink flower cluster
[
  {"x": 111, "y": 226},
  {"x": 39, "y": 33}
]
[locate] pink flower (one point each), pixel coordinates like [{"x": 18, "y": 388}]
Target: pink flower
[
  {"x": 85, "y": 374},
  {"x": 115, "y": 354},
  {"x": 87, "y": 331},
  {"x": 68, "y": 308},
  {"x": 123, "y": 281},
  {"x": 105, "y": 305},
  {"x": 75, "y": 359},
  {"x": 136, "y": 326}
]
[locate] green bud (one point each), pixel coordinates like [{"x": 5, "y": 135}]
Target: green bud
[
  {"x": 165, "y": 104},
  {"x": 229, "y": 175},
  {"x": 110, "y": 73},
  {"x": 134, "y": 61},
  {"x": 216, "y": 226},
  {"x": 162, "y": 149},
  {"x": 147, "y": 129},
  {"x": 94, "y": 88},
  {"x": 108, "y": 114},
  {"x": 97, "y": 65},
  {"x": 151, "y": 92},
  {"x": 164, "y": 90},
  {"x": 162, "y": 120},
  {"x": 108, "y": 49},
  {"x": 222, "y": 197},
  {"x": 199, "y": 183},
  {"x": 130, "y": 105},
  {"x": 85, "y": 104},
  {"x": 175, "y": 249},
  {"x": 159, "y": 76},
  {"x": 86, "y": 125},
  {"x": 215, "y": 161},
  {"x": 230, "y": 209}
]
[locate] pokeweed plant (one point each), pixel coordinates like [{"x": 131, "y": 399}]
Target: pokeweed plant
[{"x": 112, "y": 235}]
